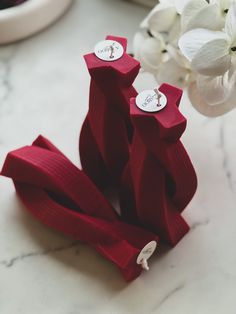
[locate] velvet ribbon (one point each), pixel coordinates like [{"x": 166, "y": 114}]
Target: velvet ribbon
[
  {"x": 62, "y": 197},
  {"x": 159, "y": 181},
  {"x": 107, "y": 130}
]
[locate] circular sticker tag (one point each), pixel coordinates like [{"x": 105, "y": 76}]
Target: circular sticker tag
[
  {"x": 109, "y": 50},
  {"x": 151, "y": 100},
  {"x": 146, "y": 253}
]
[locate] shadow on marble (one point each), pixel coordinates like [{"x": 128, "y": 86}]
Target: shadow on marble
[{"x": 72, "y": 254}]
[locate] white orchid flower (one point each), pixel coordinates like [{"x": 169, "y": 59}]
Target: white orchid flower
[
  {"x": 216, "y": 89},
  {"x": 161, "y": 18},
  {"x": 214, "y": 96},
  {"x": 165, "y": 18},
  {"x": 198, "y": 98},
  {"x": 211, "y": 53},
  {"x": 149, "y": 51},
  {"x": 176, "y": 70},
  {"x": 171, "y": 72},
  {"x": 204, "y": 14},
  {"x": 206, "y": 60}
]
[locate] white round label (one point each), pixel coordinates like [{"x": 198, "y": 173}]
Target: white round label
[
  {"x": 146, "y": 253},
  {"x": 151, "y": 100},
  {"x": 109, "y": 50}
]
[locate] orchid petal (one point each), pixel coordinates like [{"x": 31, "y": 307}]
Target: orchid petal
[
  {"x": 162, "y": 20},
  {"x": 176, "y": 54},
  {"x": 190, "y": 10},
  {"x": 214, "y": 90},
  {"x": 191, "y": 42},
  {"x": 174, "y": 32},
  {"x": 230, "y": 23},
  {"x": 232, "y": 70},
  {"x": 144, "y": 23},
  {"x": 213, "y": 58},
  {"x": 152, "y": 55},
  {"x": 208, "y": 17},
  {"x": 148, "y": 51},
  {"x": 180, "y": 5},
  {"x": 168, "y": 2},
  {"x": 172, "y": 73},
  {"x": 137, "y": 44},
  {"x": 225, "y": 4},
  {"x": 206, "y": 109}
]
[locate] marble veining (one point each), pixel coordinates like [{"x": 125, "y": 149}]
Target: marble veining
[
  {"x": 225, "y": 163},
  {"x": 13, "y": 260},
  {"x": 44, "y": 90},
  {"x": 168, "y": 296},
  {"x": 198, "y": 224},
  {"x": 5, "y": 72}
]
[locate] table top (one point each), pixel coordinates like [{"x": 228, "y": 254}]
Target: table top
[{"x": 44, "y": 87}]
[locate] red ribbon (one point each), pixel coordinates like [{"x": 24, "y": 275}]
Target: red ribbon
[
  {"x": 158, "y": 177},
  {"x": 107, "y": 130},
  {"x": 159, "y": 180},
  {"x": 62, "y": 197}
]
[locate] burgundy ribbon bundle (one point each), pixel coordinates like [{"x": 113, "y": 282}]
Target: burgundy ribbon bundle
[
  {"x": 62, "y": 197},
  {"x": 107, "y": 130},
  {"x": 159, "y": 180},
  {"x": 140, "y": 151}
]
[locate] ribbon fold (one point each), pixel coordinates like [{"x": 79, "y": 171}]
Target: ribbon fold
[{"x": 62, "y": 197}]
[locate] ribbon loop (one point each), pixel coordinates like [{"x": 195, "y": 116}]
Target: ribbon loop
[{"x": 62, "y": 197}]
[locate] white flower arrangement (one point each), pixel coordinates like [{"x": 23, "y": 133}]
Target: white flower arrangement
[{"x": 192, "y": 44}]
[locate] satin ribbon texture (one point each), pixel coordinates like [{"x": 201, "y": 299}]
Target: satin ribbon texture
[
  {"x": 62, "y": 197},
  {"x": 107, "y": 130},
  {"x": 159, "y": 180}
]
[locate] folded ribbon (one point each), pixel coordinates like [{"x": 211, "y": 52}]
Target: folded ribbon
[
  {"x": 62, "y": 197},
  {"x": 107, "y": 130},
  {"x": 159, "y": 180}
]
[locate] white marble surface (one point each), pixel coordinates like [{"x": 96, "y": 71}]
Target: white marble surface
[{"x": 44, "y": 89}]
